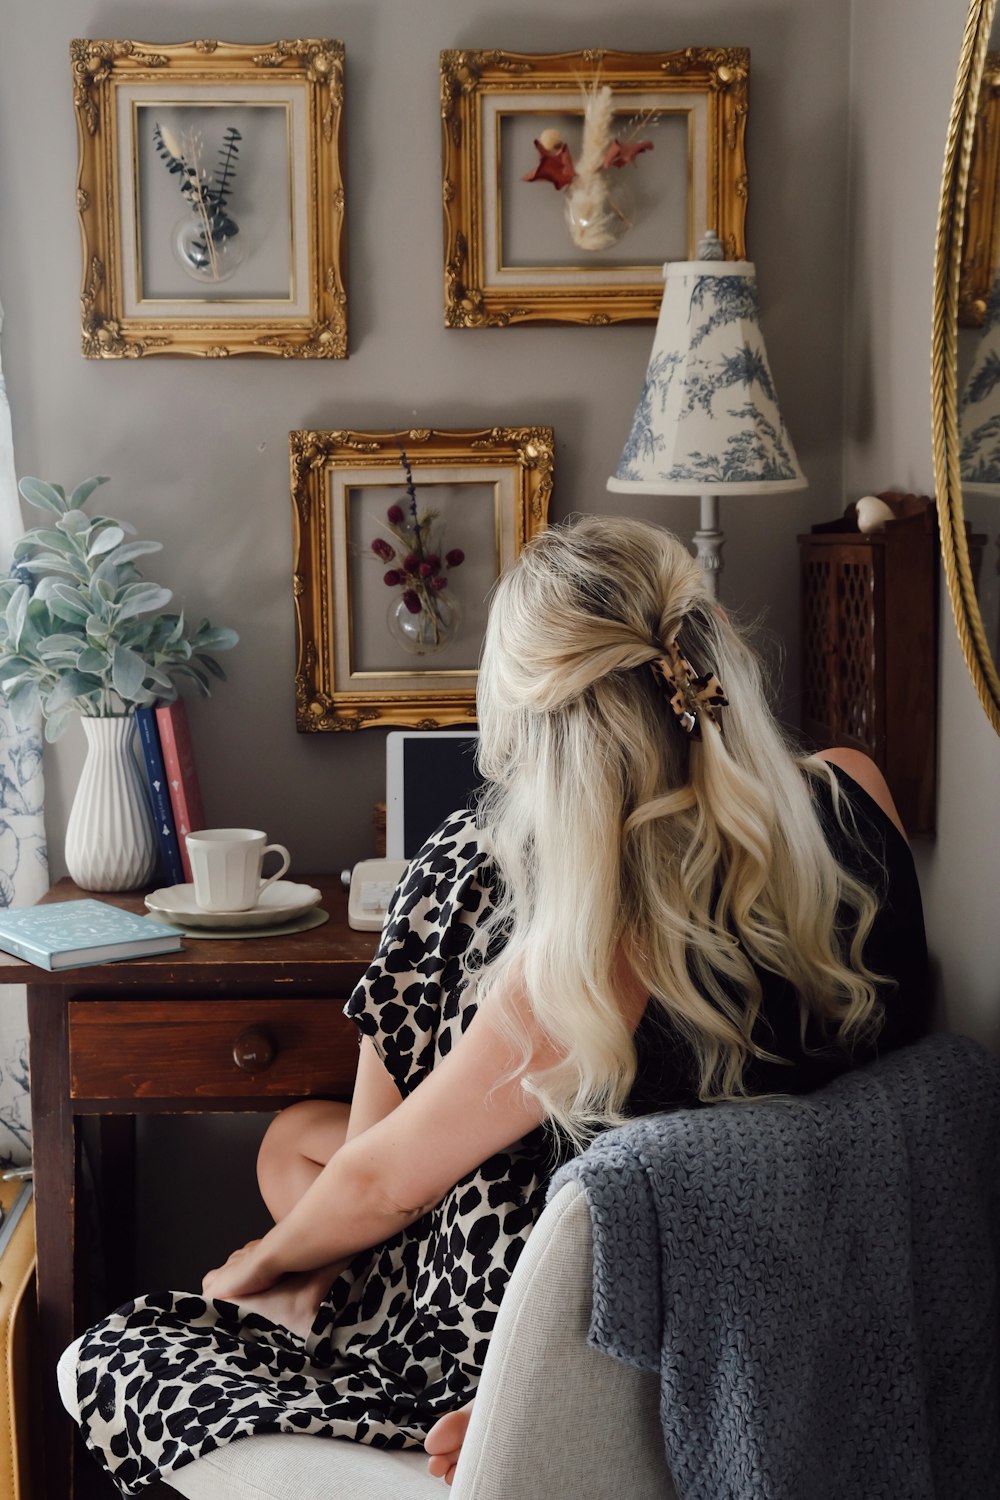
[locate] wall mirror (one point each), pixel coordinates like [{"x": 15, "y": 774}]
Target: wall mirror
[{"x": 965, "y": 377}]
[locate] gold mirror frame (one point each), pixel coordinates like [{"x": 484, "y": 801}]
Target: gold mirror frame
[
  {"x": 329, "y": 694},
  {"x": 100, "y": 69},
  {"x": 944, "y": 359}
]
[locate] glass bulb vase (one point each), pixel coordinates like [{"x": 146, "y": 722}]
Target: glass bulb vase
[{"x": 427, "y": 630}]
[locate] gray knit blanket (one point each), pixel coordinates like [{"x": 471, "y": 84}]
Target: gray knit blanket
[{"x": 815, "y": 1280}]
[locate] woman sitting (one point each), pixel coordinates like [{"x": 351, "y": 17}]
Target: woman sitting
[{"x": 656, "y": 904}]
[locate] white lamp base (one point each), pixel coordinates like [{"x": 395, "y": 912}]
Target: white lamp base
[{"x": 708, "y": 542}]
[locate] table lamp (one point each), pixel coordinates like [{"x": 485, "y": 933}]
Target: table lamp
[{"x": 707, "y": 422}]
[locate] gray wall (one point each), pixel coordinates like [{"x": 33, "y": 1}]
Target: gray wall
[
  {"x": 197, "y": 450},
  {"x": 899, "y": 104}
]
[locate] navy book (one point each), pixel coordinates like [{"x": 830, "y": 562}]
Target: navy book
[{"x": 171, "y": 863}]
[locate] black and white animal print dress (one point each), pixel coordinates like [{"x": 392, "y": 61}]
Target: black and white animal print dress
[{"x": 402, "y": 1335}]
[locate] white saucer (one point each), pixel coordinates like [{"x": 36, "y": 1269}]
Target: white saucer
[{"x": 280, "y": 902}]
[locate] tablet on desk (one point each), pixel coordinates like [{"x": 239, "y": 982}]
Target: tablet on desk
[{"x": 428, "y": 775}]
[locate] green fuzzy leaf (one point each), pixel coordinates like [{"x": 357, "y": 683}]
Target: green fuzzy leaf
[
  {"x": 51, "y": 562},
  {"x": 41, "y": 536},
  {"x": 16, "y": 610},
  {"x": 59, "y": 645},
  {"x": 43, "y": 496},
  {"x": 24, "y": 704},
  {"x": 71, "y": 685},
  {"x": 106, "y": 539},
  {"x": 57, "y": 724},
  {"x": 130, "y": 550},
  {"x": 74, "y": 523},
  {"x": 220, "y": 639},
  {"x": 64, "y": 602},
  {"x": 85, "y": 489},
  {"x": 142, "y": 598},
  {"x": 213, "y": 666},
  {"x": 93, "y": 661},
  {"x": 127, "y": 672}
]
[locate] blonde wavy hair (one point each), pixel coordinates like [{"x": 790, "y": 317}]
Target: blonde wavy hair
[{"x": 615, "y": 834}]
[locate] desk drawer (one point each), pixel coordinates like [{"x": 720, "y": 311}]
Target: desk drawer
[{"x": 196, "y": 1049}]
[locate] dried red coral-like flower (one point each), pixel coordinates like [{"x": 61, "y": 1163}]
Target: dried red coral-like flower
[
  {"x": 439, "y": 583},
  {"x": 382, "y": 549},
  {"x": 553, "y": 166},
  {"x": 394, "y": 515},
  {"x": 412, "y": 601},
  {"x": 411, "y": 562},
  {"x": 455, "y": 557},
  {"x": 393, "y": 578},
  {"x": 624, "y": 155}
]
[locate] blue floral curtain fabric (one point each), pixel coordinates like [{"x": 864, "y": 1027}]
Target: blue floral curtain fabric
[{"x": 23, "y": 863}]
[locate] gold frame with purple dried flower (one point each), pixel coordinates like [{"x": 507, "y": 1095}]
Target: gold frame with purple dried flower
[
  {"x": 501, "y": 266},
  {"x": 484, "y": 492}
]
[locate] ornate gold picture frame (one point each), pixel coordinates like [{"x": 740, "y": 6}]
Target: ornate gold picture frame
[
  {"x": 398, "y": 538},
  {"x": 674, "y": 166},
  {"x": 211, "y": 200}
]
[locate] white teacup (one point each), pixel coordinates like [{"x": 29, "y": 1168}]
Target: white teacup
[{"x": 226, "y": 865}]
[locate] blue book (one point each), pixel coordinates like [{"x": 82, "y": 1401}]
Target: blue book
[
  {"x": 171, "y": 864},
  {"x": 71, "y": 934}
]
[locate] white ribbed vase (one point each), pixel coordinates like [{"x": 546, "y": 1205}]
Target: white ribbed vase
[{"x": 110, "y": 842}]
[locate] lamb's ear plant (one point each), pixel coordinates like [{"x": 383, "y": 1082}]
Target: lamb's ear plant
[{"x": 81, "y": 630}]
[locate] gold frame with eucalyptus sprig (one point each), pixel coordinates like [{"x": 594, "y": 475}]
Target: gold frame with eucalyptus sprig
[
  {"x": 708, "y": 84},
  {"x": 307, "y": 77},
  {"x": 331, "y": 694}
]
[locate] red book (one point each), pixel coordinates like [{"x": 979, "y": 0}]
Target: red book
[{"x": 182, "y": 778}]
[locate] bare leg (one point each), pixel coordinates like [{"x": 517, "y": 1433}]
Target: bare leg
[
  {"x": 296, "y": 1147},
  {"x": 444, "y": 1443}
]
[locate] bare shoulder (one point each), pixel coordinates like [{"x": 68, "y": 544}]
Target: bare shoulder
[{"x": 862, "y": 769}]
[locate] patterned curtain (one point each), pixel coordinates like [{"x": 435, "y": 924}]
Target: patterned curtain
[{"x": 23, "y": 864}]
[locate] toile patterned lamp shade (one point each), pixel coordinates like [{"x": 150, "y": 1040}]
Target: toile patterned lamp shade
[
  {"x": 707, "y": 418},
  {"x": 979, "y": 408}
]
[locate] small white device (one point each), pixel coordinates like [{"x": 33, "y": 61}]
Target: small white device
[
  {"x": 428, "y": 775},
  {"x": 372, "y": 884}
]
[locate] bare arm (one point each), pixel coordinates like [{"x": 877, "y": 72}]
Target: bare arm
[
  {"x": 375, "y": 1095},
  {"x": 390, "y": 1173}
]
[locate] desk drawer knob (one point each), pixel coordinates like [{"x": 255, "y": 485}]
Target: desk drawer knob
[{"x": 253, "y": 1050}]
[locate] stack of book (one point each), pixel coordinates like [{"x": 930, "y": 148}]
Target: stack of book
[{"x": 168, "y": 756}]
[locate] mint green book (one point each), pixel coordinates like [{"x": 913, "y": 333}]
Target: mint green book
[{"x": 71, "y": 934}]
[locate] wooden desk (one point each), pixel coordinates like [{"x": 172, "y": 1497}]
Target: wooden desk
[{"x": 234, "y": 1024}]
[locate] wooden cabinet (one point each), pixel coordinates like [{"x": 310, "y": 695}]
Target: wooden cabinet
[
  {"x": 244, "y": 1023},
  {"x": 869, "y": 647}
]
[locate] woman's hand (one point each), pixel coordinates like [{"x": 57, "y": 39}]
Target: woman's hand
[{"x": 245, "y": 1272}]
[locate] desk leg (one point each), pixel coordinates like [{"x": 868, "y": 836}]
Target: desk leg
[
  {"x": 117, "y": 1198},
  {"x": 55, "y": 1180}
]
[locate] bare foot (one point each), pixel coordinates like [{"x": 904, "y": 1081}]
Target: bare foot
[
  {"x": 444, "y": 1443},
  {"x": 295, "y": 1300}
]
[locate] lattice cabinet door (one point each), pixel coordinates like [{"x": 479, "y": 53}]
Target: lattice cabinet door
[
  {"x": 869, "y": 644},
  {"x": 842, "y": 599}
]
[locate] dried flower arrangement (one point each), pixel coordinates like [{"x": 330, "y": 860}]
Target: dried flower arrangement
[
  {"x": 419, "y": 569},
  {"x": 205, "y": 246},
  {"x": 595, "y": 217}
]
